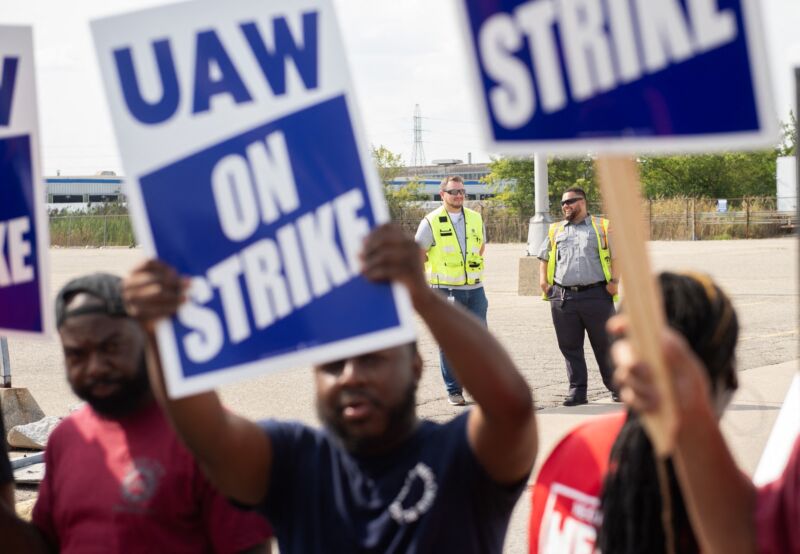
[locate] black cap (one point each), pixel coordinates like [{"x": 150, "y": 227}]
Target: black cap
[{"x": 103, "y": 286}]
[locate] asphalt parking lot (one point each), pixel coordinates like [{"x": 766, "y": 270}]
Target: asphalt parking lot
[{"x": 761, "y": 276}]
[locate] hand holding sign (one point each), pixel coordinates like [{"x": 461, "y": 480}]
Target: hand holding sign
[
  {"x": 639, "y": 387},
  {"x": 619, "y": 182},
  {"x": 153, "y": 291},
  {"x": 391, "y": 255}
]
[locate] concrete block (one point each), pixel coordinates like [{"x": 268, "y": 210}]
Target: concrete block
[
  {"x": 33, "y": 435},
  {"x": 19, "y": 407},
  {"x": 24, "y": 509},
  {"x": 528, "y": 284}
]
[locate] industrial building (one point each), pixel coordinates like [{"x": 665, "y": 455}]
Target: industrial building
[
  {"x": 430, "y": 177},
  {"x": 106, "y": 186},
  {"x": 86, "y": 189}
]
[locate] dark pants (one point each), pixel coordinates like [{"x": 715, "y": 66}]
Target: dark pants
[
  {"x": 573, "y": 314},
  {"x": 475, "y": 301}
]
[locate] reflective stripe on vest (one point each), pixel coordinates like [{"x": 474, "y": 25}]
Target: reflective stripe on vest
[
  {"x": 446, "y": 264},
  {"x": 601, "y": 231}
]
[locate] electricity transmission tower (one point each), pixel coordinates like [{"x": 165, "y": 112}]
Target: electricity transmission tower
[{"x": 418, "y": 153}]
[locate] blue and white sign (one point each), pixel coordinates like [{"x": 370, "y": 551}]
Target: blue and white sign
[
  {"x": 24, "y": 238},
  {"x": 248, "y": 170},
  {"x": 571, "y": 76}
]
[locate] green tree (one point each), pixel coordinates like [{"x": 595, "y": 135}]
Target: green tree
[
  {"x": 513, "y": 179},
  {"x": 788, "y": 145},
  {"x": 563, "y": 173},
  {"x": 390, "y": 166},
  {"x": 726, "y": 175}
]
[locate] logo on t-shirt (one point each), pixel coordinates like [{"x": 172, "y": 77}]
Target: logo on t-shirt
[
  {"x": 569, "y": 521},
  {"x": 421, "y": 485},
  {"x": 141, "y": 480}
]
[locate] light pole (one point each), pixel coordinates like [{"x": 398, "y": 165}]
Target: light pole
[
  {"x": 538, "y": 226},
  {"x": 541, "y": 220}
]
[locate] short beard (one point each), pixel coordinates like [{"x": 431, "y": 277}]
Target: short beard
[
  {"x": 399, "y": 422},
  {"x": 127, "y": 400}
]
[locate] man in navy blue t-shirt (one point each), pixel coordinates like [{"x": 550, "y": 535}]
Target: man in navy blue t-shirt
[{"x": 376, "y": 478}]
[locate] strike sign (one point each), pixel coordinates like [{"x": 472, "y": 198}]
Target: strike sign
[
  {"x": 24, "y": 238},
  {"x": 248, "y": 171},
  {"x": 620, "y": 75},
  {"x": 569, "y": 521}
]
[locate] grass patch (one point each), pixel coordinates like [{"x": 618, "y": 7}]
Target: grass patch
[{"x": 91, "y": 230}]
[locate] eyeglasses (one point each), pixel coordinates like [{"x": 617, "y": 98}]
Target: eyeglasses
[
  {"x": 570, "y": 201},
  {"x": 455, "y": 192}
]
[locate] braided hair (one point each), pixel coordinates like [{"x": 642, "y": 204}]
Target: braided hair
[{"x": 631, "y": 501}]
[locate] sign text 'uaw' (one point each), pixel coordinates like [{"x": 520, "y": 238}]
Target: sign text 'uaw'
[
  {"x": 248, "y": 172},
  {"x": 620, "y": 75},
  {"x": 24, "y": 238}
]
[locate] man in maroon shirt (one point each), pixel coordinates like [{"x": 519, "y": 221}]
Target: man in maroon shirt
[{"x": 118, "y": 479}]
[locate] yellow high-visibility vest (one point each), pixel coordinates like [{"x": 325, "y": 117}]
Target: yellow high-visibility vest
[
  {"x": 446, "y": 264},
  {"x": 600, "y": 226}
]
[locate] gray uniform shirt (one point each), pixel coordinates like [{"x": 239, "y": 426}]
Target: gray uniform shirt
[
  {"x": 578, "y": 257},
  {"x": 424, "y": 239}
]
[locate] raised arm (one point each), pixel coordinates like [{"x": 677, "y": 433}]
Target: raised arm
[
  {"x": 153, "y": 291},
  {"x": 613, "y": 286},
  {"x": 502, "y": 429},
  {"x": 543, "y": 284},
  {"x": 719, "y": 498}
]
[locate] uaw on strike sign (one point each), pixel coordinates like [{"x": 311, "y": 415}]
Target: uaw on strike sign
[
  {"x": 24, "y": 239},
  {"x": 247, "y": 171},
  {"x": 619, "y": 75}
]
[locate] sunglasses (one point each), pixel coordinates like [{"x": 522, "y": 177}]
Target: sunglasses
[
  {"x": 455, "y": 192},
  {"x": 570, "y": 201}
]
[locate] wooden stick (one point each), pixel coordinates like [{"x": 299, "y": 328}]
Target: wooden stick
[{"x": 619, "y": 183}]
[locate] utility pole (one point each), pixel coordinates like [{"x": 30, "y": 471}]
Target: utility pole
[{"x": 418, "y": 153}]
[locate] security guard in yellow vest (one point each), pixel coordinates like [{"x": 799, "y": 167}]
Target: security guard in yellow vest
[
  {"x": 453, "y": 238},
  {"x": 577, "y": 276}
]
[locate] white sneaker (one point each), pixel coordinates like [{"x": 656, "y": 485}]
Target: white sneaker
[{"x": 456, "y": 399}]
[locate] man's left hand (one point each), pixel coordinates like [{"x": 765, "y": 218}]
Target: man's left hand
[
  {"x": 391, "y": 255},
  {"x": 612, "y": 288},
  {"x": 153, "y": 290}
]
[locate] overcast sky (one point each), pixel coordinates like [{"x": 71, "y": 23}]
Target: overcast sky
[{"x": 401, "y": 52}]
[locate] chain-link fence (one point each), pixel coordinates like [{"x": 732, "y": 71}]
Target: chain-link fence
[
  {"x": 666, "y": 219},
  {"x": 704, "y": 219},
  {"x": 91, "y": 230}
]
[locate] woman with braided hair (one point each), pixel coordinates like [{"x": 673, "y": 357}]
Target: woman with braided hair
[
  {"x": 599, "y": 488},
  {"x": 631, "y": 502}
]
